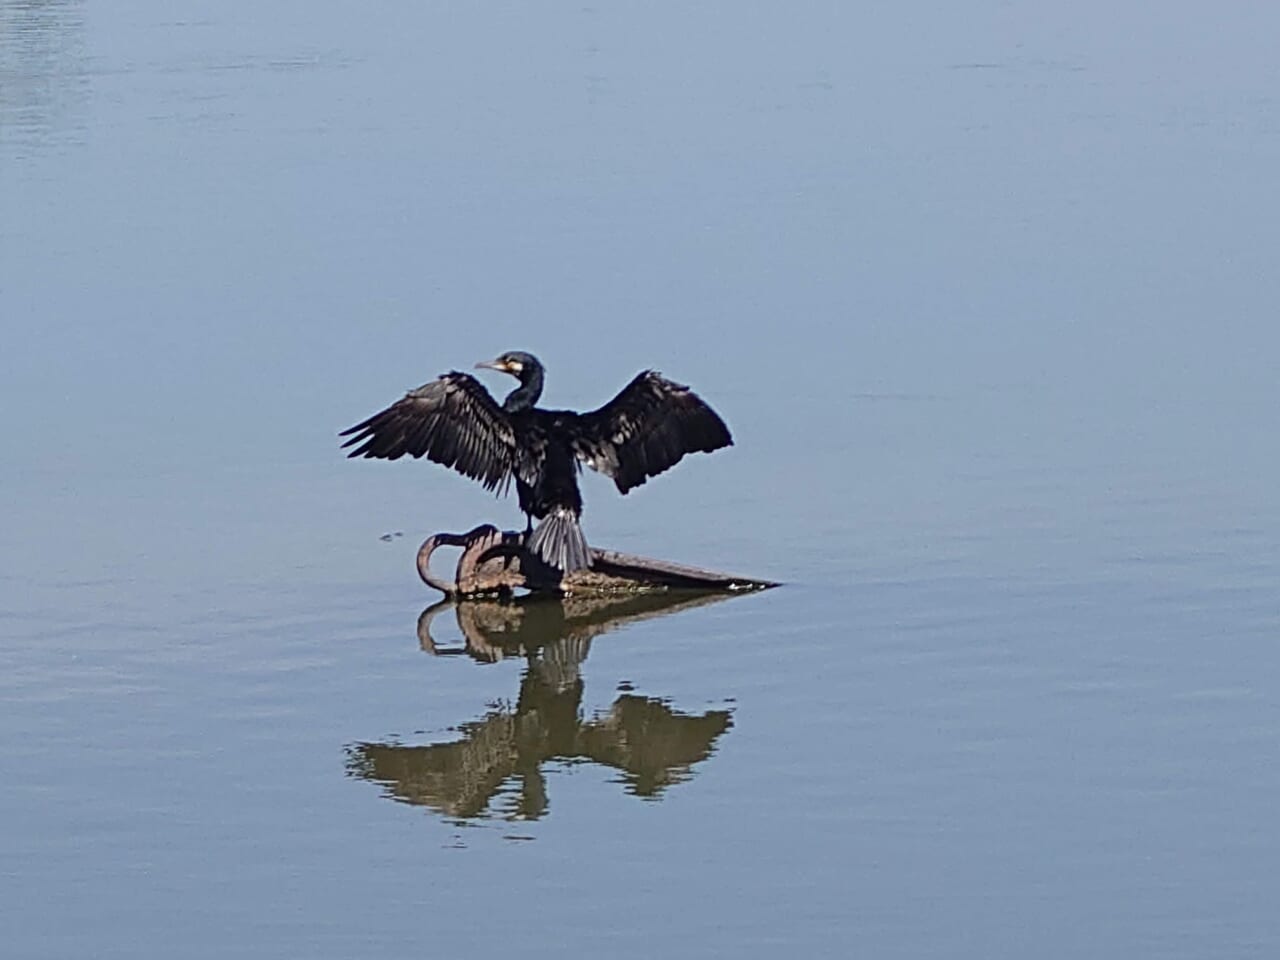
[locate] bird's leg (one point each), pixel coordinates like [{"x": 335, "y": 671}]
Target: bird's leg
[{"x": 528, "y": 526}]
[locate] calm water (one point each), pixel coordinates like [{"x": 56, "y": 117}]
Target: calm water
[{"x": 988, "y": 296}]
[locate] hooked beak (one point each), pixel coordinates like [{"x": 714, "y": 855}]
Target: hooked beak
[{"x": 493, "y": 365}]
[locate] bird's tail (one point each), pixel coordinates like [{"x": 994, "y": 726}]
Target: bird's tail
[{"x": 558, "y": 542}]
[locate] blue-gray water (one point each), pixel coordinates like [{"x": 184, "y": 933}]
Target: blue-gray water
[{"x": 987, "y": 293}]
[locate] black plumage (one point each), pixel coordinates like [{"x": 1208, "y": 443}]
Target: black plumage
[{"x": 646, "y": 429}]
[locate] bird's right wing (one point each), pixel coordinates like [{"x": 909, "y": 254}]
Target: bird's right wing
[
  {"x": 453, "y": 421},
  {"x": 646, "y": 429}
]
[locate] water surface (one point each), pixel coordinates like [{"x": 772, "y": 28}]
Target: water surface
[{"x": 987, "y": 297}]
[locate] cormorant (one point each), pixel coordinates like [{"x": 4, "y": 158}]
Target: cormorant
[{"x": 646, "y": 429}]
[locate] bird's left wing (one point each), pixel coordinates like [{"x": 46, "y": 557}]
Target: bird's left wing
[
  {"x": 453, "y": 421},
  {"x": 646, "y": 429}
]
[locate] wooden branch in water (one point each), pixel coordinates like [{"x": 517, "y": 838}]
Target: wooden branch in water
[{"x": 494, "y": 561}]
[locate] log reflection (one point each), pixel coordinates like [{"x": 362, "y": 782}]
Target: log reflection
[{"x": 503, "y": 752}]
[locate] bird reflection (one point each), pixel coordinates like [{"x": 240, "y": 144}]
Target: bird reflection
[{"x": 501, "y": 755}]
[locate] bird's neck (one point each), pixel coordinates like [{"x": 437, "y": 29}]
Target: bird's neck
[{"x": 526, "y": 395}]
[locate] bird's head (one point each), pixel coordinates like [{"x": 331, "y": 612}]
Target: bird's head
[{"x": 515, "y": 362}]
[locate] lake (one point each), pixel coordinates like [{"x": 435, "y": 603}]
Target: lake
[{"x": 986, "y": 295}]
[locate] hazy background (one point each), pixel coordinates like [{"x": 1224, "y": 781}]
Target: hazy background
[{"x": 987, "y": 294}]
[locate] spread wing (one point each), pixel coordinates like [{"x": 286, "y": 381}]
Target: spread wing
[
  {"x": 646, "y": 429},
  {"x": 453, "y": 421}
]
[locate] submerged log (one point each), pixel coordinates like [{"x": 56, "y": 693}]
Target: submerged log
[{"x": 494, "y": 562}]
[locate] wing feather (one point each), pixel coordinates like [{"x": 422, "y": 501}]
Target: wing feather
[
  {"x": 646, "y": 429},
  {"x": 452, "y": 421}
]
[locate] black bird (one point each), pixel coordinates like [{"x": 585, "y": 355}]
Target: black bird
[{"x": 646, "y": 429}]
